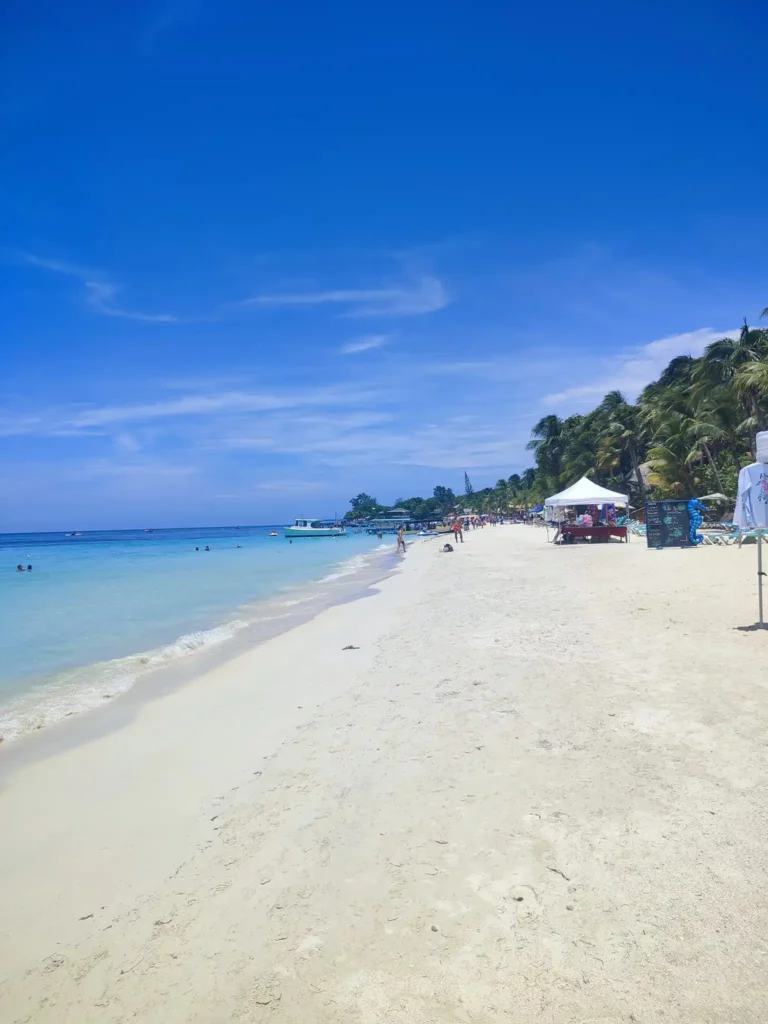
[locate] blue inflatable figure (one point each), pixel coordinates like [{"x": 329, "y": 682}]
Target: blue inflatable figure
[{"x": 695, "y": 519}]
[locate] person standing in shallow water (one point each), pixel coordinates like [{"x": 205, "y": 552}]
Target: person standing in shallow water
[{"x": 401, "y": 540}]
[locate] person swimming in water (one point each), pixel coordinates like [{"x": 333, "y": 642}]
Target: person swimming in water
[
  {"x": 207, "y": 548},
  {"x": 19, "y": 568}
]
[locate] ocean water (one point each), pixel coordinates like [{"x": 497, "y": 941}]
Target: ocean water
[{"x": 100, "y": 610}]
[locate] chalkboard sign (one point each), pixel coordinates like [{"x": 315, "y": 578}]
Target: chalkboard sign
[{"x": 668, "y": 524}]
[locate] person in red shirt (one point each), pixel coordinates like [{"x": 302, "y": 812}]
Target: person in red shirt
[{"x": 458, "y": 533}]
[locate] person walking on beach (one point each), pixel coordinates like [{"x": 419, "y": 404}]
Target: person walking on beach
[
  {"x": 400, "y": 541},
  {"x": 458, "y": 533}
]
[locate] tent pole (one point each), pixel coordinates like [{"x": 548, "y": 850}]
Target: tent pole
[{"x": 760, "y": 576}]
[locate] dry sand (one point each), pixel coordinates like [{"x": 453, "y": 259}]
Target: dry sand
[{"x": 535, "y": 793}]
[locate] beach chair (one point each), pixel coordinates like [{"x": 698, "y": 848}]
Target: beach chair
[{"x": 747, "y": 535}]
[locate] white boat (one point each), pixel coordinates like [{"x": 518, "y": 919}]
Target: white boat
[{"x": 314, "y": 528}]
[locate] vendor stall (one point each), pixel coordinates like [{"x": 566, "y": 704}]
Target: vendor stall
[
  {"x": 585, "y": 493},
  {"x": 598, "y": 533}
]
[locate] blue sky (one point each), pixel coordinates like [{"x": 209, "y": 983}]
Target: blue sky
[{"x": 259, "y": 257}]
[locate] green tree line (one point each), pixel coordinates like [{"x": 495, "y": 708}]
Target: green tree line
[
  {"x": 688, "y": 434},
  {"x": 442, "y": 502}
]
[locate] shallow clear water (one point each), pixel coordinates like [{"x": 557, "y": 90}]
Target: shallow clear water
[{"x": 76, "y": 623}]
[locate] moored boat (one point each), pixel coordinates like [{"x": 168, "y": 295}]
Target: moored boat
[{"x": 314, "y": 528}]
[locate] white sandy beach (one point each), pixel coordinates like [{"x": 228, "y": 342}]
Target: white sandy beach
[{"x": 536, "y": 792}]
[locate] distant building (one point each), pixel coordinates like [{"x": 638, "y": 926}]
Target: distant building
[{"x": 389, "y": 521}]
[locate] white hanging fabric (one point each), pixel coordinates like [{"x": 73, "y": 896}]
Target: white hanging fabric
[
  {"x": 761, "y": 446},
  {"x": 751, "y": 512}
]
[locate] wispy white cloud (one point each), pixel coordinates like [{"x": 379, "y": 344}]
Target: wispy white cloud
[
  {"x": 100, "y": 293},
  {"x": 132, "y": 470},
  {"x": 362, "y": 438},
  {"x": 364, "y": 344},
  {"x": 378, "y": 416},
  {"x": 426, "y": 295},
  {"x": 22, "y": 423},
  {"x": 205, "y": 382},
  {"x": 413, "y": 297},
  {"x": 128, "y": 443},
  {"x": 290, "y": 433},
  {"x": 275, "y": 487},
  {"x": 631, "y": 370},
  {"x": 189, "y": 405},
  {"x": 72, "y": 420}
]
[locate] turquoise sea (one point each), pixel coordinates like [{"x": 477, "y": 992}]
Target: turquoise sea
[{"x": 99, "y": 610}]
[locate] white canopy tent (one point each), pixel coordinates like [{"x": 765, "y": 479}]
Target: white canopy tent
[{"x": 587, "y": 492}]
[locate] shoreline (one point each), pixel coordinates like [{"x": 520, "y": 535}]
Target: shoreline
[
  {"x": 139, "y": 770},
  {"x": 534, "y": 789},
  {"x": 39, "y": 709}
]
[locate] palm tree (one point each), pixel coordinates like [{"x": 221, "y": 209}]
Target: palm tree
[
  {"x": 670, "y": 456},
  {"x": 547, "y": 442},
  {"x": 694, "y": 416},
  {"x": 704, "y": 434},
  {"x": 502, "y": 494},
  {"x": 724, "y": 359},
  {"x": 625, "y": 434},
  {"x": 514, "y": 487},
  {"x": 679, "y": 371},
  {"x": 580, "y": 438},
  {"x": 725, "y": 415},
  {"x": 752, "y": 378}
]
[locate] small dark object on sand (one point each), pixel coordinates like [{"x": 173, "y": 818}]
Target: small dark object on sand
[
  {"x": 350, "y": 647},
  {"x": 86, "y": 918},
  {"x": 557, "y": 871},
  {"x": 447, "y": 547}
]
